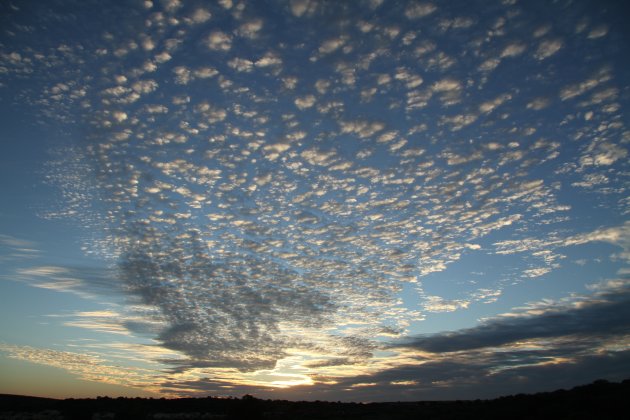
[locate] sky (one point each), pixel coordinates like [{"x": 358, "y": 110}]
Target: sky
[{"x": 367, "y": 200}]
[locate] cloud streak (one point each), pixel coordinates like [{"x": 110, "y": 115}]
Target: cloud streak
[{"x": 596, "y": 320}]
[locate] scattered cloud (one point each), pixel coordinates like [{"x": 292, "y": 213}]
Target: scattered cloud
[
  {"x": 419, "y": 10},
  {"x": 301, "y": 8},
  {"x": 513, "y": 50},
  {"x": 547, "y": 48},
  {"x": 286, "y": 194},
  {"x": 219, "y": 41},
  {"x": 86, "y": 366}
]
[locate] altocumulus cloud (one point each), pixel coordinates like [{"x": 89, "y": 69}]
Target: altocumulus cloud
[{"x": 261, "y": 196}]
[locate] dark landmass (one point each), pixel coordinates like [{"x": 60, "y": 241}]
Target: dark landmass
[{"x": 599, "y": 400}]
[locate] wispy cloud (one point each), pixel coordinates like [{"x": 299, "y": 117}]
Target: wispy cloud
[{"x": 85, "y": 366}]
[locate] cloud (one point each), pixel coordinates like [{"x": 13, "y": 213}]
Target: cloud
[
  {"x": 604, "y": 154},
  {"x": 88, "y": 367},
  {"x": 439, "y": 304},
  {"x": 241, "y": 64},
  {"x": 489, "y": 106},
  {"x": 331, "y": 45},
  {"x": 144, "y": 86},
  {"x": 466, "y": 376},
  {"x": 419, "y": 10},
  {"x": 597, "y": 78},
  {"x": 16, "y": 249},
  {"x": 361, "y": 128},
  {"x": 304, "y": 102},
  {"x": 617, "y": 235},
  {"x": 589, "y": 321},
  {"x": 244, "y": 320},
  {"x": 162, "y": 57},
  {"x": 547, "y": 48},
  {"x": 200, "y": 15},
  {"x": 251, "y": 29},
  {"x": 475, "y": 376},
  {"x": 301, "y": 8},
  {"x": 598, "y": 32},
  {"x": 266, "y": 214},
  {"x": 171, "y": 5},
  {"x": 538, "y": 103},
  {"x": 219, "y": 41},
  {"x": 544, "y": 346},
  {"x": 513, "y": 50},
  {"x": 490, "y": 64},
  {"x": 226, "y": 4},
  {"x": 83, "y": 281},
  {"x": 269, "y": 59}
]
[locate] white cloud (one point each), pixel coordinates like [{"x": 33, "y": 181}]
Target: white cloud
[
  {"x": 290, "y": 82},
  {"x": 144, "y": 86},
  {"x": 457, "y": 122},
  {"x": 251, "y": 28},
  {"x": 182, "y": 75},
  {"x": 322, "y": 86},
  {"x": 219, "y": 41},
  {"x": 148, "y": 44},
  {"x": 200, "y": 15},
  {"x": 163, "y": 57},
  {"x": 598, "y": 32},
  {"x": 301, "y": 8},
  {"x": 456, "y": 23},
  {"x": 226, "y": 4},
  {"x": 361, "y": 128},
  {"x": 513, "y": 50},
  {"x": 571, "y": 91},
  {"x": 541, "y": 31},
  {"x": 119, "y": 116},
  {"x": 604, "y": 154},
  {"x": 489, "y": 106},
  {"x": 489, "y": 64},
  {"x": 331, "y": 45},
  {"x": 171, "y": 5},
  {"x": 149, "y": 66},
  {"x": 205, "y": 72},
  {"x": 241, "y": 64},
  {"x": 419, "y": 10},
  {"x": 269, "y": 59},
  {"x": 86, "y": 366},
  {"x": 538, "y": 103},
  {"x": 318, "y": 157},
  {"x": 304, "y": 102},
  {"x": 547, "y": 48},
  {"x": 156, "y": 109},
  {"x": 446, "y": 85},
  {"x": 439, "y": 304}
]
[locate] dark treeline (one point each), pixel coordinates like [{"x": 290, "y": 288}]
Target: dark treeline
[{"x": 601, "y": 399}]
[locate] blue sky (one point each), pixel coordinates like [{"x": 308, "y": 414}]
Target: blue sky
[{"x": 366, "y": 200}]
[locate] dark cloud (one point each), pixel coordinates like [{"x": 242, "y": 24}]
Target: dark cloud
[
  {"x": 560, "y": 347},
  {"x": 470, "y": 377},
  {"x": 216, "y": 314},
  {"x": 605, "y": 316}
]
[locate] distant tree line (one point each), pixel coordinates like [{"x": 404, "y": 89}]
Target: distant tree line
[{"x": 599, "y": 400}]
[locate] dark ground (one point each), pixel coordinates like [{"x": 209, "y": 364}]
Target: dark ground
[{"x": 599, "y": 400}]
